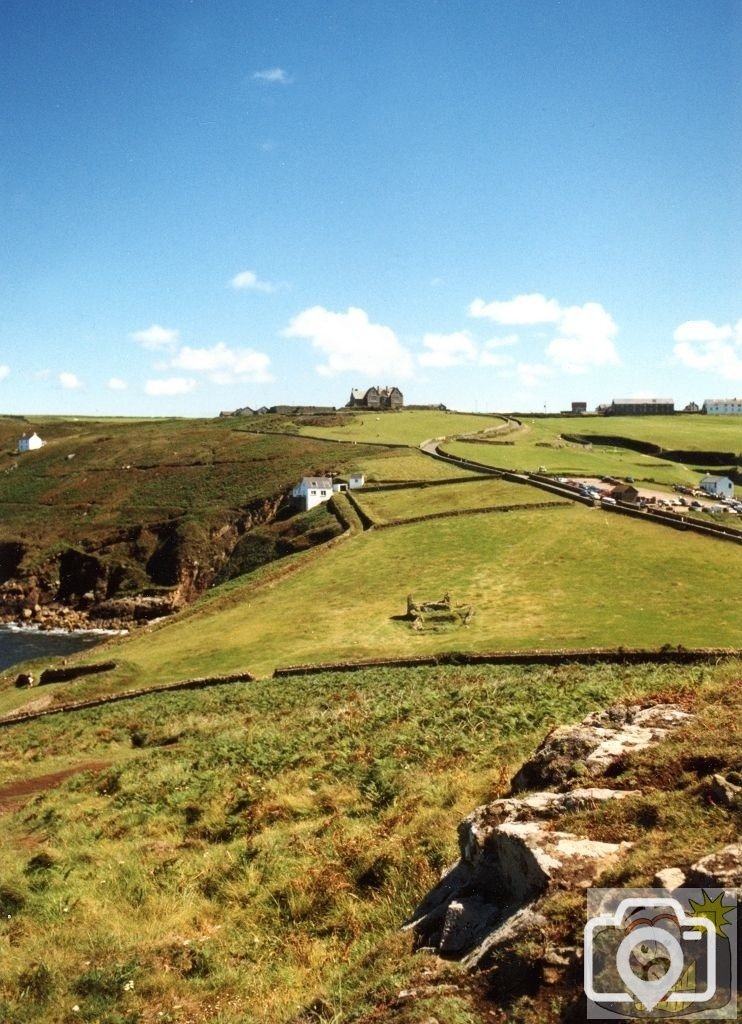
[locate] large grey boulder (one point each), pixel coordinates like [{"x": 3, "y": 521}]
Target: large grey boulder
[
  {"x": 595, "y": 743},
  {"x": 721, "y": 869},
  {"x": 503, "y": 868}
]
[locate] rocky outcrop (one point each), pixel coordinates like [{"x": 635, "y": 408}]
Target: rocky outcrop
[
  {"x": 511, "y": 853},
  {"x": 507, "y": 862},
  {"x": 722, "y": 868},
  {"x": 111, "y": 581},
  {"x": 596, "y": 742}
]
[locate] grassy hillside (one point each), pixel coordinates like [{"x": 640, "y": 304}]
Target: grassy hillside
[
  {"x": 477, "y": 493},
  {"x": 542, "y": 442},
  {"x": 406, "y": 426},
  {"x": 560, "y": 577},
  {"x": 249, "y": 855},
  {"x": 694, "y": 433},
  {"x": 153, "y": 501}
]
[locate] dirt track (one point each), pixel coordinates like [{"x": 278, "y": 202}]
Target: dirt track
[{"x": 15, "y": 794}]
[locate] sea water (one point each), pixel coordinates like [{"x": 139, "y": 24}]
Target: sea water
[{"x": 21, "y": 643}]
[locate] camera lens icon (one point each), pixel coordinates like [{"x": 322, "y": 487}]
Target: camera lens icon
[{"x": 650, "y": 959}]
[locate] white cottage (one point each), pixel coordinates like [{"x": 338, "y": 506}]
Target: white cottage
[
  {"x": 356, "y": 481},
  {"x": 723, "y": 406},
  {"x": 312, "y": 491},
  {"x": 30, "y": 442},
  {"x": 719, "y": 486}
]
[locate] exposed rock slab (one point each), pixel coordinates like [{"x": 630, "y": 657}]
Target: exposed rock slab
[
  {"x": 722, "y": 868},
  {"x": 502, "y": 869},
  {"x": 596, "y": 742},
  {"x": 551, "y": 805}
]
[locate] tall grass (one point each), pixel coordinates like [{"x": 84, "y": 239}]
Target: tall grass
[{"x": 262, "y": 860}]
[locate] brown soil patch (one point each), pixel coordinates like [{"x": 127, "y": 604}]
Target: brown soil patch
[{"x": 15, "y": 794}]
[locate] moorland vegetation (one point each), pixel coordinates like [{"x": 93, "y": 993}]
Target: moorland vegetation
[{"x": 249, "y": 853}]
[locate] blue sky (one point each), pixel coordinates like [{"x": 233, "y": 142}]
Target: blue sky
[{"x": 206, "y": 204}]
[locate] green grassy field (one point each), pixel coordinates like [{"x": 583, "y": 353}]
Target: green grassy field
[
  {"x": 410, "y": 502},
  {"x": 562, "y": 577},
  {"x": 541, "y": 442},
  {"x": 407, "y": 465},
  {"x": 407, "y": 426},
  {"x": 249, "y": 854},
  {"x": 699, "y": 433}
]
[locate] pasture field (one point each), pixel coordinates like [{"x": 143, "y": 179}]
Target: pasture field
[
  {"x": 560, "y": 577},
  {"x": 541, "y": 442},
  {"x": 405, "y": 426},
  {"x": 565, "y": 458},
  {"x": 410, "y": 502},
  {"x": 248, "y": 855},
  {"x": 407, "y": 465},
  {"x": 683, "y": 433}
]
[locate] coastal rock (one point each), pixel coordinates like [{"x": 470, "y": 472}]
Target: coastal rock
[
  {"x": 669, "y": 878},
  {"x": 550, "y": 805},
  {"x": 595, "y": 743},
  {"x": 503, "y": 867},
  {"x": 722, "y": 868},
  {"x": 724, "y": 792}
]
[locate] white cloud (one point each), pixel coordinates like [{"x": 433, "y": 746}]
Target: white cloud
[
  {"x": 69, "y": 381},
  {"x": 448, "y": 349},
  {"x": 170, "y": 386},
  {"x": 117, "y": 384},
  {"x": 351, "y": 343},
  {"x": 275, "y": 76},
  {"x": 488, "y": 358},
  {"x": 702, "y": 330},
  {"x": 247, "y": 280},
  {"x": 712, "y": 357},
  {"x": 704, "y": 345},
  {"x": 586, "y": 339},
  {"x": 156, "y": 337},
  {"x": 226, "y": 365},
  {"x": 4, "y": 372},
  {"x": 585, "y": 334},
  {"x": 533, "y": 308}
]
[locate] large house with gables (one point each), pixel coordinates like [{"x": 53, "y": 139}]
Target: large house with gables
[{"x": 376, "y": 398}]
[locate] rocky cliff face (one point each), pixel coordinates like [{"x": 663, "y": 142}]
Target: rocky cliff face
[{"x": 124, "y": 577}]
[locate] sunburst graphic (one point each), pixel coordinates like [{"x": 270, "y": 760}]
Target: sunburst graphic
[{"x": 714, "y": 910}]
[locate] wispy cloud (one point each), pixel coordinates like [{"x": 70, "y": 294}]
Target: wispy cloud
[
  {"x": 713, "y": 348},
  {"x": 274, "y": 76},
  {"x": 448, "y": 349},
  {"x": 156, "y": 337},
  {"x": 248, "y": 280},
  {"x": 350, "y": 342},
  {"x": 224, "y": 364},
  {"x": 4, "y": 372},
  {"x": 69, "y": 381},
  {"x": 532, "y": 308},
  {"x": 170, "y": 386},
  {"x": 117, "y": 384}
]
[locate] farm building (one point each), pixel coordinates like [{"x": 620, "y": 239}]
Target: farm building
[
  {"x": 723, "y": 406},
  {"x": 312, "y": 491},
  {"x": 719, "y": 486},
  {"x": 30, "y": 442},
  {"x": 641, "y": 407},
  {"x": 376, "y": 398},
  {"x": 625, "y": 492}
]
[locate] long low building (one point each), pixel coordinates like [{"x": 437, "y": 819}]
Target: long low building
[{"x": 641, "y": 407}]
